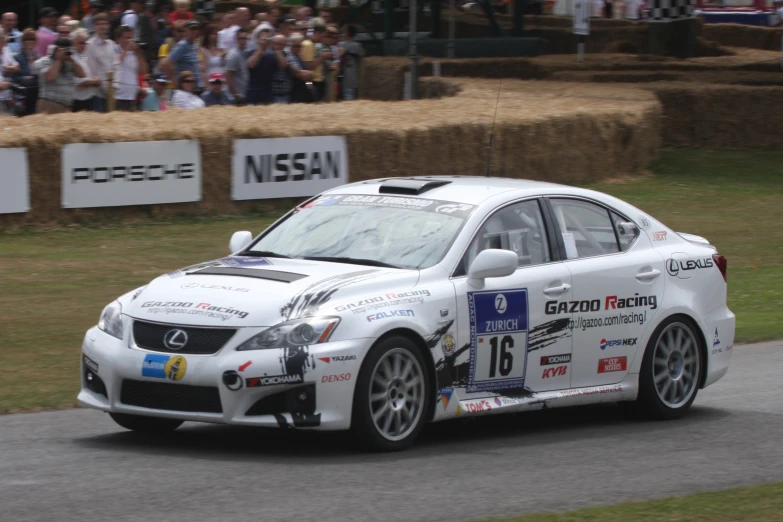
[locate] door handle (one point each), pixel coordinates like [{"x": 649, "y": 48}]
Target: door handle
[
  {"x": 565, "y": 287},
  {"x": 644, "y": 276}
]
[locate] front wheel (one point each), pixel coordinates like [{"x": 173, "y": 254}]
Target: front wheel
[
  {"x": 671, "y": 369},
  {"x": 145, "y": 424},
  {"x": 392, "y": 396}
]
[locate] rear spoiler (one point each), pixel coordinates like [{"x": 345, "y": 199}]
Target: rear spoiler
[{"x": 696, "y": 239}]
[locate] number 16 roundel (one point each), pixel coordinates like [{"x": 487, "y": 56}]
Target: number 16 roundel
[{"x": 498, "y": 339}]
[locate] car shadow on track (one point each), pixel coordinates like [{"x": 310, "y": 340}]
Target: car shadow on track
[{"x": 561, "y": 425}]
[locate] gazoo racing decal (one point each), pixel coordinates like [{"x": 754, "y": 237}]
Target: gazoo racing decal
[
  {"x": 384, "y": 301},
  {"x": 611, "y": 302},
  {"x": 449, "y": 208},
  {"x": 185, "y": 307},
  {"x": 682, "y": 269},
  {"x": 498, "y": 339}
]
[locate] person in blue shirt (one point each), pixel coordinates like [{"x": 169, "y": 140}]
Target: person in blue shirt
[
  {"x": 184, "y": 56},
  {"x": 154, "y": 98},
  {"x": 12, "y": 34},
  {"x": 261, "y": 65}
]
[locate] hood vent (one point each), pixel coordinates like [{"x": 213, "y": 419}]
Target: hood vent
[
  {"x": 410, "y": 186},
  {"x": 271, "y": 275}
]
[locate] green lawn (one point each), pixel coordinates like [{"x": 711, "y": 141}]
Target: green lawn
[
  {"x": 751, "y": 504},
  {"x": 55, "y": 283}
]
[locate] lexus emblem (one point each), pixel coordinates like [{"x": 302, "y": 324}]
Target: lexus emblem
[{"x": 175, "y": 339}]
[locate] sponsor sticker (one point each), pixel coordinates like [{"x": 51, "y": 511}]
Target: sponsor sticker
[
  {"x": 604, "y": 344},
  {"x": 164, "y": 367},
  {"x": 683, "y": 268},
  {"x": 448, "y": 344},
  {"x": 498, "y": 339},
  {"x": 89, "y": 363},
  {"x": 390, "y": 313},
  {"x": 337, "y": 358},
  {"x": 547, "y": 360},
  {"x": 475, "y": 406},
  {"x": 659, "y": 236},
  {"x": 613, "y": 364},
  {"x": 273, "y": 380},
  {"x": 557, "y": 371},
  {"x": 610, "y": 302},
  {"x": 445, "y": 396},
  {"x": 716, "y": 339},
  {"x": 223, "y": 313},
  {"x": 336, "y": 377},
  {"x": 384, "y": 301},
  {"x": 449, "y": 208}
]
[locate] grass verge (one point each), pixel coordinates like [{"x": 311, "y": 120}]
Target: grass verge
[
  {"x": 749, "y": 504},
  {"x": 55, "y": 283}
]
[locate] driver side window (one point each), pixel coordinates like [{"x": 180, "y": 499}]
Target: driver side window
[{"x": 519, "y": 228}]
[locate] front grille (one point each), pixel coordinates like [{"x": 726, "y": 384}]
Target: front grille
[
  {"x": 200, "y": 341},
  {"x": 173, "y": 397}
]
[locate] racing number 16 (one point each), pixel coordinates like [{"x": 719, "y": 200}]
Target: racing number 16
[{"x": 506, "y": 358}]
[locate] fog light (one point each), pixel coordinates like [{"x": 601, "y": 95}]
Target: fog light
[
  {"x": 301, "y": 398},
  {"x": 89, "y": 376}
]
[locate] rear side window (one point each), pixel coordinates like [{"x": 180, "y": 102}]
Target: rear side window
[
  {"x": 625, "y": 235},
  {"x": 586, "y": 228}
]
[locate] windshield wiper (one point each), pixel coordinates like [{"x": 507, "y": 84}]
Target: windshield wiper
[
  {"x": 351, "y": 261},
  {"x": 263, "y": 253}
]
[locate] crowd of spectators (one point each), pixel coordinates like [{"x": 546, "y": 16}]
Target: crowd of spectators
[{"x": 135, "y": 57}]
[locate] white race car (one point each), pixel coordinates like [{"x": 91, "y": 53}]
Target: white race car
[{"x": 381, "y": 305}]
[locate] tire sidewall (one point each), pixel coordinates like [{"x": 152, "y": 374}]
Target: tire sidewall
[
  {"x": 648, "y": 395},
  {"x": 362, "y": 423}
]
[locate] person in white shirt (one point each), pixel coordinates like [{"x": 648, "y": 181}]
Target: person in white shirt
[
  {"x": 183, "y": 97},
  {"x": 224, "y": 35},
  {"x": 129, "y": 65},
  {"x": 87, "y": 87},
  {"x": 101, "y": 56},
  {"x": 241, "y": 19},
  {"x": 131, "y": 17},
  {"x": 8, "y": 67}
]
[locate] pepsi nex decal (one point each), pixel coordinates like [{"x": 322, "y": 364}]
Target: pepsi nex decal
[{"x": 498, "y": 339}]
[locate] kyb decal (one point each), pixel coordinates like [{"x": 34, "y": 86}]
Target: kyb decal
[
  {"x": 611, "y": 302},
  {"x": 613, "y": 364},
  {"x": 557, "y": 371},
  {"x": 683, "y": 268},
  {"x": 604, "y": 344}
]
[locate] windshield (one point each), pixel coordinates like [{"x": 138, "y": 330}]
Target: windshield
[{"x": 378, "y": 230}]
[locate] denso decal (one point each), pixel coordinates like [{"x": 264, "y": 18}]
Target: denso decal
[
  {"x": 336, "y": 378},
  {"x": 547, "y": 360},
  {"x": 273, "y": 380},
  {"x": 611, "y": 302},
  {"x": 392, "y": 313},
  {"x": 557, "y": 371},
  {"x": 613, "y": 364},
  {"x": 604, "y": 344}
]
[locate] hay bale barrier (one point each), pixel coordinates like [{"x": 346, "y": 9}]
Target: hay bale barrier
[{"x": 545, "y": 130}]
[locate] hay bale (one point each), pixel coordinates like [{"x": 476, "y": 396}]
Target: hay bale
[
  {"x": 738, "y": 35},
  {"x": 431, "y": 88},
  {"x": 544, "y": 130}
]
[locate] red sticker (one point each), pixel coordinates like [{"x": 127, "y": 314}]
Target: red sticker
[{"x": 613, "y": 364}]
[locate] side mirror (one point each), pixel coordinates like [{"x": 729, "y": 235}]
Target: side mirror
[
  {"x": 239, "y": 241},
  {"x": 627, "y": 229},
  {"x": 492, "y": 262}
]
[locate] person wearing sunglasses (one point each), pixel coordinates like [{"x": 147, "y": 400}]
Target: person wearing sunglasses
[{"x": 184, "y": 97}]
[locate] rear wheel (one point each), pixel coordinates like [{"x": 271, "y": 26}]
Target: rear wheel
[
  {"x": 145, "y": 424},
  {"x": 391, "y": 396},
  {"x": 671, "y": 369}
]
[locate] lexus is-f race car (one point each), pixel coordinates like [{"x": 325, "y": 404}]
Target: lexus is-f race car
[{"x": 381, "y": 305}]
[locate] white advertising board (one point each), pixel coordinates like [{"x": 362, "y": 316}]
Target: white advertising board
[
  {"x": 287, "y": 167},
  {"x": 14, "y": 181},
  {"x": 134, "y": 173}
]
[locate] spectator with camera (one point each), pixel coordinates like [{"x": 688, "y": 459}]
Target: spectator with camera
[
  {"x": 101, "y": 56},
  {"x": 27, "y": 77},
  {"x": 87, "y": 87},
  {"x": 140, "y": 22},
  {"x": 184, "y": 97},
  {"x": 237, "y": 75},
  {"x": 58, "y": 74},
  {"x": 261, "y": 65},
  {"x": 130, "y": 64},
  {"x": 301, "y": 78}
]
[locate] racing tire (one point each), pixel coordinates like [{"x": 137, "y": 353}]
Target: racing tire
[
  {"x": 392, "y": 396},
  {"x": 671, "y": 370},
  {"x": 145, "y": 424}
]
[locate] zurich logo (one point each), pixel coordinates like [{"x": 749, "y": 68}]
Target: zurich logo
[
  {"x": 501, "y": 304},
  {"x": 175, "y": 339}
]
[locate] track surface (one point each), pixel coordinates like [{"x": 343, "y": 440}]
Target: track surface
[{"x": 77, "y": 465}]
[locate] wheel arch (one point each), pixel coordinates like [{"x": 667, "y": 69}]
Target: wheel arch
[{"x": 418, "y": 340}]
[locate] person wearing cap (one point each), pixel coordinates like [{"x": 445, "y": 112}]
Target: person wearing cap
[
  {"x": 59, "y": 74},
  {"x": 13, "y": 35},
  {"x": 155, "y": 93},
  {"x": 46, "y": 31},
  {"x": 96, "y": 6},
  {"x": 185, "y": 56},
  {"x": 137, "y": 19},
  {"x": 216, "y": 95}
]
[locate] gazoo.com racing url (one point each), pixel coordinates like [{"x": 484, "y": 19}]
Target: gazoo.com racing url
[{"x": 583, "y": 323}]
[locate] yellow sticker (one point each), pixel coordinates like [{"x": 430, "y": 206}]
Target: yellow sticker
[
  {"x": 459, "y": 409},
  {"x": 175, "y": 368}
]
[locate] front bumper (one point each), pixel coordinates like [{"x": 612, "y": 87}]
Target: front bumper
[{"x": 312, "y": 388}]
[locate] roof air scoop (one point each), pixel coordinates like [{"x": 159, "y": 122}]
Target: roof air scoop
[{"x": 410, "y": 187}]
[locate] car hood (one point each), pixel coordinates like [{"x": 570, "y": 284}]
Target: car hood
[{"x": 240, "y": 291}]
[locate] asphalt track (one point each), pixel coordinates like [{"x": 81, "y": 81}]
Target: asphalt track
[{"x": 77, "y": 465}]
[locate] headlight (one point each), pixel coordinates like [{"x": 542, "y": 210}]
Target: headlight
[
  {"x": 299, "y": 332},
  {"x": 111, "y": 321}
]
